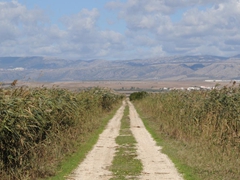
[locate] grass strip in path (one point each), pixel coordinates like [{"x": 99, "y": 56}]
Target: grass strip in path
[
  {"x": 71, "y": 162},
  {"x": 125, "y": 164}
]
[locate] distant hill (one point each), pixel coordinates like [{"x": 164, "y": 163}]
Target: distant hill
[{"x": 164, "y": 68}]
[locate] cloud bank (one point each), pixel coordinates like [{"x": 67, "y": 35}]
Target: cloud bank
[{"x": 153, "y": 28}]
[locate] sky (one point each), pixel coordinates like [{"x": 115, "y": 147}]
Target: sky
[{"x": 119, "y": 29}]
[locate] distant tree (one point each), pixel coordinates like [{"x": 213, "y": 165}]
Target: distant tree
[{"x": 138, "y": 95}]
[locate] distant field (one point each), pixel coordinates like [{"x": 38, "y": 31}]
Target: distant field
[{"x": 124, "y": 86}]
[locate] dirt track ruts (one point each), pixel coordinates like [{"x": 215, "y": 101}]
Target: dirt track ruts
[{"x": 156, "y": 165}]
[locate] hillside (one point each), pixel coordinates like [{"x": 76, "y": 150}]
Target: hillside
[{"x": 164, "y": 68}]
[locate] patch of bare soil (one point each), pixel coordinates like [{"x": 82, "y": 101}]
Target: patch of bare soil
[{"x": 124, "y": 85}]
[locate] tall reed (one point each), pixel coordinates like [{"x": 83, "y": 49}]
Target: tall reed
[
  {"x": 40, "y": 126},
  {"x": 208, "y": 121}
]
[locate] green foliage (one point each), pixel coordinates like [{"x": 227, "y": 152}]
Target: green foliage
[
  {"x": 38, "y": 127},
  {"x": 205, "y": 122},
  {"x": 137, "y": 95}
]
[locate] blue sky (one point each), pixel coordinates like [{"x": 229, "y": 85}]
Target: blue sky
[
  {"x": 56, "y": 9},
  {"x": 119, "y": 29}
]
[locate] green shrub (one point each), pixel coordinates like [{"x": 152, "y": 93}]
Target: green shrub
[{"x": 138, "y": 95}]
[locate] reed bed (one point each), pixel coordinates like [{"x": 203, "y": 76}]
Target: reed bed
[
  {"x": 39, "y": 127},
  {"x": 205, "y": 127}
]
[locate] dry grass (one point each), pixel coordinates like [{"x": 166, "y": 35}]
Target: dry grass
[{"x": 202, "y": 128}]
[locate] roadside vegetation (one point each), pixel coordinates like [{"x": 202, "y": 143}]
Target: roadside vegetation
[
  {"x": 199, "y": 130},
  {"x": 40, "y": 127},
  {"x": 125, "y": 164}
]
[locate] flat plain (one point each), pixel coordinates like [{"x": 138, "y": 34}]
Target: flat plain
[{"x": 124, "y": 86}]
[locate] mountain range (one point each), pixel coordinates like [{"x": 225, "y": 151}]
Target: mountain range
[{"x": 175, "y": 68}]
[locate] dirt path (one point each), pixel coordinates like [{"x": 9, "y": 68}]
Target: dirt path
[
  {"x": 156, "y": 166},
  {"x": 95, "y": 166}
]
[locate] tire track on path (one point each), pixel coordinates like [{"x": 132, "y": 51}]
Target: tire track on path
[
  {"x": 95, "y": 165},
  {"x": 156, "y": 165}
]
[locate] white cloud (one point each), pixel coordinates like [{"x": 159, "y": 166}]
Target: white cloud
[
  {"x": 205, "y": 27},
  {"x": 83, "y": 21},
  {"x": 85, "y": 39},
  {"x": 165, "y": 7},
  {"x": 157, "y": 51},
  {"x": 27, "y": 32}
]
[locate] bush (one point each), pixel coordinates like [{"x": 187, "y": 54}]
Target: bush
[{"x": 138, "y": 95}]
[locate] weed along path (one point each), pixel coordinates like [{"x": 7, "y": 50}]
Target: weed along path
[{"x": 153, "y": 164}]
